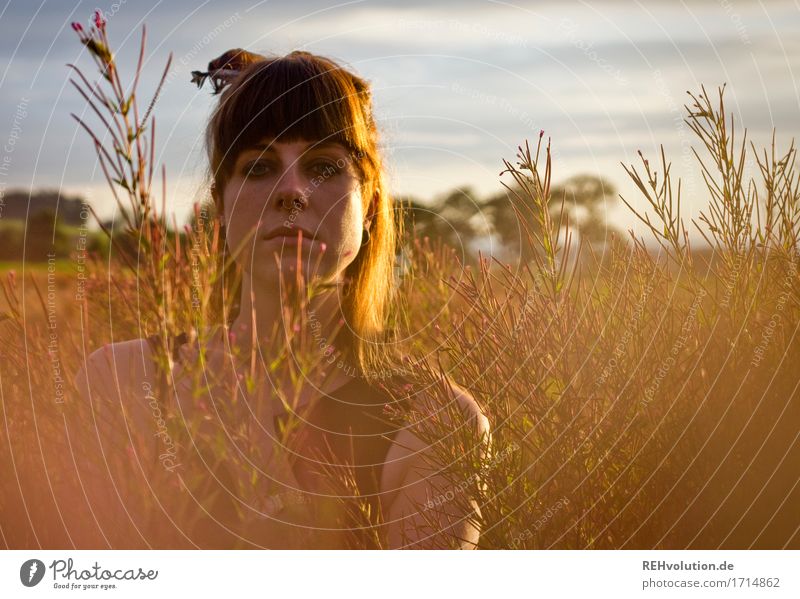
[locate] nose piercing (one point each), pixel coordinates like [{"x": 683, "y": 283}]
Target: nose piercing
[{"x": 294, "y": 203}]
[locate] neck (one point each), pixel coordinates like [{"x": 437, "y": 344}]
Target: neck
[{"x": 268, "y": 316}]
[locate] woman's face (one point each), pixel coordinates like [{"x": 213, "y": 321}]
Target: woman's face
[{"x": 286, "y": 187}]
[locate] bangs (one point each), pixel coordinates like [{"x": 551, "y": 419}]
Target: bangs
[{"x": 288, "y": 99}]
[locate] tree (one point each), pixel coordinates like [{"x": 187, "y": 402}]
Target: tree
[
  {"x": 583, "y": 197},
  {"x": 455, "y": 217}
]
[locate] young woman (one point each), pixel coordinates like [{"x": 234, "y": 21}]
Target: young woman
[{"x": 298, "y": 185}]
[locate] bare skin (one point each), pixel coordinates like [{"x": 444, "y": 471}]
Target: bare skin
[{"x": 258, "y": 198}]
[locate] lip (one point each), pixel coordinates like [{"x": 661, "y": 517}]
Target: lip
[
  {"x": 288, "y": 239},
  {"x": 287, "y": 232}
]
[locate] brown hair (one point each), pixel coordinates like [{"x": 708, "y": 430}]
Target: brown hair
[{"x": 303, "y": 95}]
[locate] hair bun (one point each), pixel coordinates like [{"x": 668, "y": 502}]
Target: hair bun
[{"x": 225, "y": 68}]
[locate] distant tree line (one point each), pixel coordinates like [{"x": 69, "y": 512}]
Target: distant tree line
[
  {"x": 461, "y": 219},
  {"x": 35, "y": 224}
]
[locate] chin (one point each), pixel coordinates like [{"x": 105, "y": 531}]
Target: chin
[{"x": 268, "y": 270}]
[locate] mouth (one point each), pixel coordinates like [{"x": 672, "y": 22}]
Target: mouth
[
  {"x": 288, "y": 239},
  {"x": 285, "y": 233}
]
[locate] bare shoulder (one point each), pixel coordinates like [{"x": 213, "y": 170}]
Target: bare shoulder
[
  {"x": 117, "y": 381},
  {"x": 409, "y": 451},
  {"x": 412, "y": 480},
  {"x": 469, "y": 408},
  {"x": 117, "y": 368},
  {"x": 455, "y": 406},
  {"x": 114, "y": 443}
]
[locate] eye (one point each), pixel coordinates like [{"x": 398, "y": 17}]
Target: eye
[
  {"x": 325, "y": 168},
  {"x": 258, "y": 168}
]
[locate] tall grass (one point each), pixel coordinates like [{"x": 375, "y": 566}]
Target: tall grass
[{"x": 637, "y": 399}]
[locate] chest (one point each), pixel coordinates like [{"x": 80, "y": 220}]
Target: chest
[{"x": 336, "y": 443}]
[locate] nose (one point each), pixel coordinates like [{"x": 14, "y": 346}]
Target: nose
[{"x": 290, "y": 191}]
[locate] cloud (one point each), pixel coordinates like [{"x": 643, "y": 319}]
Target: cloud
[{"x": 456, "y": 90}]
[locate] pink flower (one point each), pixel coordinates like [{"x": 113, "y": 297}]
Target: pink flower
[
  {"x": 99, "y": 21},
  {"x": 323, "y": 246},
  {"x": 77, "y": 26}
]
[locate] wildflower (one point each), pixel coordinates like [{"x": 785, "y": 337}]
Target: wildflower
[
  {"x": 99, "y": 21},
  {"x": 96, "y": 43}
]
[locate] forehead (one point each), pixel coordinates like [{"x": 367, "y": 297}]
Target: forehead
[{"x": 270, "y": 145}]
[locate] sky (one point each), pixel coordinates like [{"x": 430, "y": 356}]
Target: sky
[{"x": 457, "y": 86}]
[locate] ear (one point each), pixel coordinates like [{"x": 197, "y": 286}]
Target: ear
[{"x": 370, "y": 212}]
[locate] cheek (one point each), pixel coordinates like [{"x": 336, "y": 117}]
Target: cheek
[
  {"x": 347, "y": 227},
  {"x": 242, "y": 214}
]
